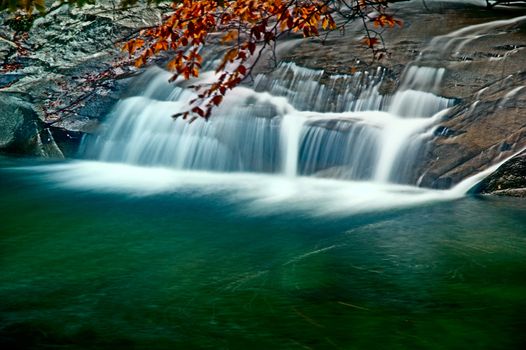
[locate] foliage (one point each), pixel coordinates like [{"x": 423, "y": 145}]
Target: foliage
[{"x": 246, "y": 28}]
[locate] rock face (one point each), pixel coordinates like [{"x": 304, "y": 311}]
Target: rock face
[
  {"x": 508, "y": 180},
  {"x": 69, "y": 66},
  {"x": 477, "y": 133}
]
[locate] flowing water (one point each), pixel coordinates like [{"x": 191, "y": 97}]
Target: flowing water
[
  {"x": 295, "y": 122},
  {"x": 291, "y": 219}
]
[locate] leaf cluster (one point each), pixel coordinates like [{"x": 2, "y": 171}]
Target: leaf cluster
[{"x": 245, "y": 28}]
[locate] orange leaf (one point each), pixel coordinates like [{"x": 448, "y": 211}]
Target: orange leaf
[
  {"x": 370, "y": 42},
  {"x": 230, "y": 36},
  {"x": 325, "y": 23},
  {"x": 172, "y": 65}
]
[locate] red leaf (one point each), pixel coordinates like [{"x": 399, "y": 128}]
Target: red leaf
[
  {"x": 198, "y": 111},
  {"x": 242, "y": 69},
  {"x": 217, "y": 100}
]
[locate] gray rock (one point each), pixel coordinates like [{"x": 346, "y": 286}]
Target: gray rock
[
  {"x": 18, "y": 121},
  {"x": 11, "y": 120},
  {"x": 508, "y": 180},
  {"x": 73, "y": 70},
  {"x": 22, "y": 132}
]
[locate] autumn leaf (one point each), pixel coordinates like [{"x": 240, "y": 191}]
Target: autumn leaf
[
  {"x": 216, "y": 100},
  {"x": 370, "y": 42},
  {"x": 230, "y": 36},
  {"x": 242, "y": 69}
]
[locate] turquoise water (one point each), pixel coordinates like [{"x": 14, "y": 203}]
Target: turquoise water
[{"x": 91, "y": 268}]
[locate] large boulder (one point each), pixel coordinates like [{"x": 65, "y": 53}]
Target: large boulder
[
  {"x": 22, "y": 132},
  {"x": 69, "y": 64}
]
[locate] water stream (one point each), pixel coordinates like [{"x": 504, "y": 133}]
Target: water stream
[{"x": 291, "y": 124}]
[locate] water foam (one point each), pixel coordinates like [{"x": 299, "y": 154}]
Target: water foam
[{"x": 258, "y": 194}]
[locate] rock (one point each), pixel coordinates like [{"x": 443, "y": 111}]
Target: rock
[
  {"x": 71, "y": 49},
  {"x": 22, "y": 132},
  {"x": 67, "y": 140},
  {"x": 477, "y": 133},
  {"x": 46, "y": 145},
  {"x": 19, "y": 124},
  {"x": 71, "y": 67},
  {"x": 336, "y": 172},
  {"x": 13, "y": 118},
  {"x": 508, "y": 180}
]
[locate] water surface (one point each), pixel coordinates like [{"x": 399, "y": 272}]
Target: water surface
[{"x": 198, "y": 267}]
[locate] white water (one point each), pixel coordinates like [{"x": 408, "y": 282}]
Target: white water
[
  {"x": 294, "y": 122},
  {"x": 257, "y": 194},
  {"x": 291, "y": 126}
]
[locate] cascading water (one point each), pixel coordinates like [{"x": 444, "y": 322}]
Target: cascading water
[
  {"x": 283, "y": 143},
  {"x": 295, "y": 122}
]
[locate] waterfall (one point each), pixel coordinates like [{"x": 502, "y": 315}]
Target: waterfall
[
  {"x": 294, "y": 121},
  {"x": 293, "y": 139}
]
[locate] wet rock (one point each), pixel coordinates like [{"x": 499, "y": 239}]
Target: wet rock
[
  {"x": 337, "y": 172},
  {"x": 483, "y": 74},
  {"x": 46, "y": 145},
  {"x": 508, "y": 180},
  {"x": 477, "y": 133},
  {"x": 71, "y": 48}
]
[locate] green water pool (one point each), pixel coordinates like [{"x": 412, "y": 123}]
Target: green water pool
[{"x": 92, "y": 269}]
